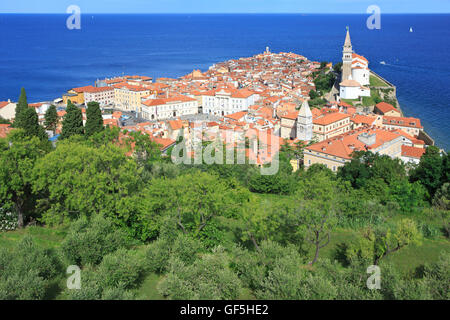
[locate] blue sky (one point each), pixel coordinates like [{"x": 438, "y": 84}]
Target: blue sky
[{"x": 225, "y": 6}]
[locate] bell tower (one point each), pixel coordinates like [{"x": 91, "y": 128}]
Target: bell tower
[
  {"x": 305, "y": 123},
  {"x": 347, "y": 57}
]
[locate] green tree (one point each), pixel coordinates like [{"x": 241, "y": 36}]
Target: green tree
[
  {"x": 403, "y": 234},
  {"x": 22, "y": 105},
  {"x": 4, "y": 121},
  {"x": 51, "y": 118},
  {"x": 317, "y": 210},
  {"x": 73, "y": 121},
  {"x": 30, "y": 123},
  {"x": 76, "y": 180},
  {"x": 18, "y": 154},
  {"x": 94, "y": 119},
  {"x": 337, "y": 67},
  {"x": 195, "y": 201},
  {"x": 430, "y": 170}
]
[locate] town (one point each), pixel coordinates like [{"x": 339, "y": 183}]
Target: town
[{"x": 332, "y": 111}]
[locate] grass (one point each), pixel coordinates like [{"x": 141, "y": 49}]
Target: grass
[
  {"x": 43, "y": 236},
  {"x": 368, "y": 101},
  {"x": 408, "y": 259},
  {"x": 350, "y": 101},
  {"x": 148, "y": 289},
  {"x": 377, "y": 82}
]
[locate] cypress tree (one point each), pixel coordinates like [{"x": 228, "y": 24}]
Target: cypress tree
[
  {"x": 51, "y": 118},
  {"x": 22, "y": 106},
  {"x": 73, "y": 121},
  {"x": 94, "y": 119},
  {"x": 27, "y": 118},
  {"x": 30, "y": 123}
]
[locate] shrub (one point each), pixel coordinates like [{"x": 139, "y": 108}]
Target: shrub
[
  {"x": 26, "y": 271},
  {"x": 120, "y": 269},
  {"x": 88, "y": 241},
  {"x": 207, "y": 278}
]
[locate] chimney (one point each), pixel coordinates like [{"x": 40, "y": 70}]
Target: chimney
[
  {"x": 9, "y": 100},
  {"x": 367, "y": 139}
]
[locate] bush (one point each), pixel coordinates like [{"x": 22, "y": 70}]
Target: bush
[
  {"x": 88, "y": 241},
  {"x": 437, "y": 277},
  {"x": 112, "y": 279},
  {"x": 207, "y": 278},
  {"x": 183, "y": 247},
  {"x": 26, "y": 271},
  {"x": 121, "y": 269}
]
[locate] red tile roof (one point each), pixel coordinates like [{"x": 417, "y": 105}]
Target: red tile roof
[
  {"x": 385, "y": 107},
  {"x": 412, "y": 152}
]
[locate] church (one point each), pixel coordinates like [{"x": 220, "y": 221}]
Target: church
[
  {"x": 355, "y": 73},
  {"x": 298, "y": 124}
]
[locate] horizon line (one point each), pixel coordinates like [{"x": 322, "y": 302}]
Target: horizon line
[{"x": 200, "y": 13}]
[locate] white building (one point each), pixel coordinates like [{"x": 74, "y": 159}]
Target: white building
[
  {"x": 305, "y": 122},
  {"x": 103, "y": 95},
  {"x": 355, "y": 73},
  {"x": 7, "y": 109},
  {"x": 351, "y": 89},
  {"x": 160, "y": 109},
  {"x": 223, "y": 102}
]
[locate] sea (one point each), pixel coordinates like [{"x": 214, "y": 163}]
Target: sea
[{"x": 38, "y": 51}]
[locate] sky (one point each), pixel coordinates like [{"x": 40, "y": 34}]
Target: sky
[{"x": 225, "y": 6}]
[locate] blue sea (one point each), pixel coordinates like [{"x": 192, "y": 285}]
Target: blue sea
[{"x": 39, "y": 53}]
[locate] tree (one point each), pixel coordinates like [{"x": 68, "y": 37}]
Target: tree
[
  {"x": 195, "y": 201},
  {"x": 313, "y": 94},
  {"x": 430, "y": 170},
  {"x": 94, "y": 119},
  {"x": 77, "y": 180},
  {"x": 30, "y": 124},
  {"x": 389, "y": 241},
  {"x": 4, "y": 121},
  {"x": 22, "y": 105},
  {"x": 18, "y": 154},
  {"x": 51, "y": 118},
  {"x": 337, "y": 67},
  {"x": 73, "y": 121},
  {"x": 317, "y": 210},
  {"x": 27, "y": 118}
]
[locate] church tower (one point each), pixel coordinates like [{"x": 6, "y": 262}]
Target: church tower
[
  {"x": 304, "y": 123},
  {"x": 347, "y": 57}
]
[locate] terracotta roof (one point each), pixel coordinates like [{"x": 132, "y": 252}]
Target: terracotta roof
[
  {"x": 293, "y": 115},
  {"x": 412, "y": 152},
  {"x": 402, "y": 121},
  {"x": 330, "y": 118},
  {"x": 350, "y": 83},
  {"x": 385, "y": 107},
  {"x": 355, "y": 55},
  {"x": 4, "y": 104},
  {"x": 357, "y": 118},
  {"x": 344, "y": 145},
  {"x": 175, "y": 124},
  {"x": 236, "y": 116},
  {"x": 163, "y": 142},
  {"x": 4, "y": 130}
]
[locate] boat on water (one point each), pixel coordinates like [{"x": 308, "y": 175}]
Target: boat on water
[
  {"x": 410, "y": 29},
  {"x": 382, "y": 62}
]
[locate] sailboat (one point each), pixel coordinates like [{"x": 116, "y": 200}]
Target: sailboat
[{"x": 410, "y": 29}]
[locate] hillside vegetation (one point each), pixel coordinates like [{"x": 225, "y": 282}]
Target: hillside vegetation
[{"x": 142, "y": 227}]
